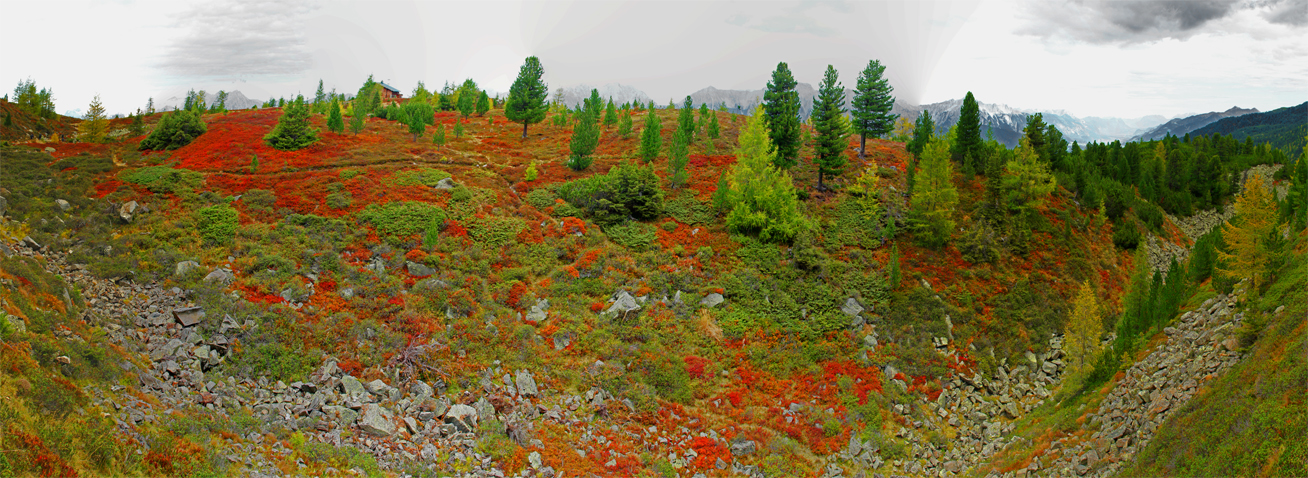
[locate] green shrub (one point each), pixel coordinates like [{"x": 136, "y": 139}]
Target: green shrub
[
  {"x": 217, "y": 223},
  {"x": 163, "y": 178},
  {"x": 1127, "y": 236},
  {"x": 340, "y": 200},
  {"x": 494, "y": 231},
  {"x": 350, "y": 173},
  {"x": 1150, "y": 214},
  {"x": 626, "y": 192},
  {"x": 633, "y": 235},
  {"x": 540, "y": 198},
  {"x": 397, "y": 220},
  {"x": 259, "y": 199},
  {"x": 293, "y": 130},
  {"x": 420, "y": 177},
  {"x": 174, "y": 130},
  {"x": 686, "y": 209}
]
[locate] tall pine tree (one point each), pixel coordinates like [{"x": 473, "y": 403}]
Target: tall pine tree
[
  {"x": 526, "y": 103},
  {"x": 651, "y": 138},
  {"x": 686, "y": 121},
  {"x": 872, "y": 105},
  {"x": 293, "y": 131},
  {"x": 934, "y": 196},
  {"x": 585, "y": 136},
  {"x": 335, "y": 123},
  {"x": 830, "y": 124},
  {"x": 968, "y": 148},
  {"x": 781, "y": 110},
  {"x": 923, "y": 130}
]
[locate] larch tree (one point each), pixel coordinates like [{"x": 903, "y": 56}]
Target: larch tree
[
  {"x": 94, "y": 125},
  {"x": 651, "y": 138},
  {"x": 934, "y": 195},
  {"x": 526, "y": 103},
  {"x": 760, "y": 197},
  {"x": 967, "y": 148},
  {"x": 1028, "y": 181},
  {"x": 871, "y": 106},
  {"x": 831, "y": 126},
  {"x": 1083, "y": 330},
  {"x": 219, "y": 103},
  {"x": 1251, "y": 235},
  {"x": 781, "y": 108}
]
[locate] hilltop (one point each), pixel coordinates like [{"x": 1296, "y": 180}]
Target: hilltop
[{"x": 379, "y": 305}]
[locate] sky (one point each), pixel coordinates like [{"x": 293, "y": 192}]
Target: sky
[{"x": 1087, "y": 57}]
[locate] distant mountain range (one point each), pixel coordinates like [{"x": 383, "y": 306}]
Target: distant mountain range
[
  {"x": 620, "y": 94},
  {"x": 235, "y": 101},
  {"x": 1283, "y": 128},
  {"x": 1181, "y": 126}
]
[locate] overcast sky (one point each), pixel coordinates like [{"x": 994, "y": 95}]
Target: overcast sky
[{"x": 1088, "y": 57}]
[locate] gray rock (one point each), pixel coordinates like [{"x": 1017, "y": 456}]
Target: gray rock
[
  {"x": 463, "y": 417},
  {"x": 377, "y": 387},
  {"x": 421, "y": 390},
  {"x": 377, "y": 420},
  {"x": 16, "y": 324},
  {"x": 534, "y": 460},
  {"x": 188, "y": 316},
  {"x": 526, "y": 384},
  {"x": 446, "y": 183},
  {"x": 712, "y": 300},
  {"x": 418, "y": 270},
  {"x": 184, "y": 267},
  {"x": 222, "y": 276},
  {"x": 352, "y": 387},
  {"x": 4, "y": 205},
  {"x": 870, "y": 340},
  {"x": 345, "y": 292},
  {"x": 562, "y": 341},
  {"x": 538, "y": 311},
  {"x": 852, "y": 308},
  {"x": 741, "y": 447},
  {"x": 127, "y": 211},
  {"x": 342, "y": 415},
  {"x": 623, "y": 303},
  {"x": 485, "y": 411},
  {"x": 63, "y": 205}
]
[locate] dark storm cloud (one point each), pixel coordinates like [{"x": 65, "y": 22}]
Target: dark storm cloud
[
  {"x": 1136, "y": 21},
  {"x": 238, "y": 38}
]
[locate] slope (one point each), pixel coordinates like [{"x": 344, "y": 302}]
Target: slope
[
  {"x": 1181, "y": 126},
  {"x": 1282, "y": 128}
]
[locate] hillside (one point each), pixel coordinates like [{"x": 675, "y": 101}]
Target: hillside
[
  {"x": 377, "y": 305},
  {"x": 18, "y": 125},
  {"x": 1283, "y": 128},
  {"x": 1181, "y": 126}
]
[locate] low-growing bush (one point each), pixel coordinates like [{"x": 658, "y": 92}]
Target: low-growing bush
[
  {"x": 633, "y": 235},
  {"x": 420, "y": 177},
  {"x": 399, "y": 220},
  {"x": 174, "y": 130},
  {"x": 217, "y": 223},
  {"x": 626, "y": 192},
  {"x": 163, "y": 178}
]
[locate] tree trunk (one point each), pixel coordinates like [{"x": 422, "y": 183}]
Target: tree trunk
[
  {"x": 862, "y": 145},
  {"x": 524, "y": 130}
]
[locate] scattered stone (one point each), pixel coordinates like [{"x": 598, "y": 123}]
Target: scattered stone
[
  {"x": 185, "y": 267},
  {"x": 127, "y": 211},
  {"x": 623, "y": 302},
  {"x": 463, "y": 417},
  {"x": 222, "y": 276},
  {"x": 63, "y": 205},
  {"x": 852, "y": 308},
  {"x": 712, "y": 300},
  {"x": 377, "y": 420},
  {"x": 526, "y": 384},
  {"x": 418, "y": 270},
  {"x": 189, "y": 316},
  {"x": 446, "y": 183},
  {"x": 740, "y": 447}
]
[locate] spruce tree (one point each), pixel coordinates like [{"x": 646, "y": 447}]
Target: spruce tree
[
  {"x": 219, "y": 103},
  {"x": 467, "y": 103},
  {"x": 368, "y": 99},
  {"x": 593, "y": 106},
  {"x": 335, "y": 123},
  {"x": 319, "y": 98},
  {"x": 624, "y": 124},
  {"x": 526, "y": 103},
  {"x": 458, "y": 128},
  {"x": 610, "y": 114},
  {"x": 137, "y": 127},
  {"x": 702, "y": 125},
  {"x": 829, "y": 122},
  {"x": 714, "y": 131},
  {"x": 923, "y": 130},
  {"x": 781, "y": 108},
  {"x": 677, "y": 159},
  {"x": 175, "y": 129},
  {"x": 585, "y": 137},
  {"x": 686, "y": 121},
  {"x": 356, "y": 122},
  {"x": 483, "y": 104},
  {"x": 967, "y": 148},
  {"x": 439, "y": 137},
  {"x": 293, "y": 131},
  {"x": 651, "y": 138},
  {"x": 872, "y": 105},
  {"x": 412, "y": 115}
]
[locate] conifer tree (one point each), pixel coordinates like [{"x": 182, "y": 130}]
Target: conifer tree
[
  {"x": 651, "y": 138},
  {"x": 420, "y": 93},
  {"x": 1029, "y": 180},
  {"x": 760, "y": 198},
  {"x": 137, "y": 127},
  {"x": 356, "y": 122},
  {"x": 335, "y": 123},
  {"x": 293, "y": 131},
  {"x": 467, "y": 103},
  {"x": 702, "y": 125},
  {"x": 458, "y": 128},
  {"x": 585, "y": 137},
  {"x": 714, "y": 130},
  {"x": 319, "y": 98},
  {"x": 781, "y": 107},
  {"x": 934, "y": 195},
  {"x": 175, "y": 129},
  {"x": 967, "y": 148},
  {"x": 1251, "y": 236},
  {"x": 624, "y": 124},
  {"x": 219, "y": 103},
  {"x": 686, "y": 121},
  {"x": 677, "y": 159},
  {"x": 610, "y": 114},
  {"x": 439, "y": 137},
  {"x": 872, "y": 105},
  {"x": 484, "y": 103},
  {"x": 894, "y": 274},
  {"x": 368, "y": 99},
  {"x": 526, "y": 103},
  {"x": 829, "y": 123},
  {"x": 94, "y": 126},
  {"x": 413, "y": 116},
  {"x": 1083, "y": 330},
  {"x": 923, "y": 130},
  {"x": 593, "y": 106}
]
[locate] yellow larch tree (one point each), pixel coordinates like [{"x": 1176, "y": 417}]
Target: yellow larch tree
[
  {"x": 1081, "y": 338},
  {"x": 1249, "y": 234}
]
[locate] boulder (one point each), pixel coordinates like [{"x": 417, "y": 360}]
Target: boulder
[
  {"x": 463, "y": 417},
  {"x": 623, "y": 302},
  {"x": 712, "y": 300},
  {"x": 420, "y": 390},
  {"x": 127, "y": 211},
  {"x": 852, "y": 308},
  {"x": 342, "y": 415},
  {"x": 377, "y": 420},
  {"x": 185, "y": 267},
  {"x": 63, "y": 205},
  {"x": 526, "y": 384},
  {"x": 352, "y": 387},
  {"x": 741, "y": 447},
  {"x": 446, "y": 183},
  {"x": 538, "y": 311},
  {"x": 485, "y": 411},
  {"x": 418, "y": 270},
  {"x": 222, "y": 276},
  {"x": 188, "y": 316},
  {"x": 377, "y": 387}
]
